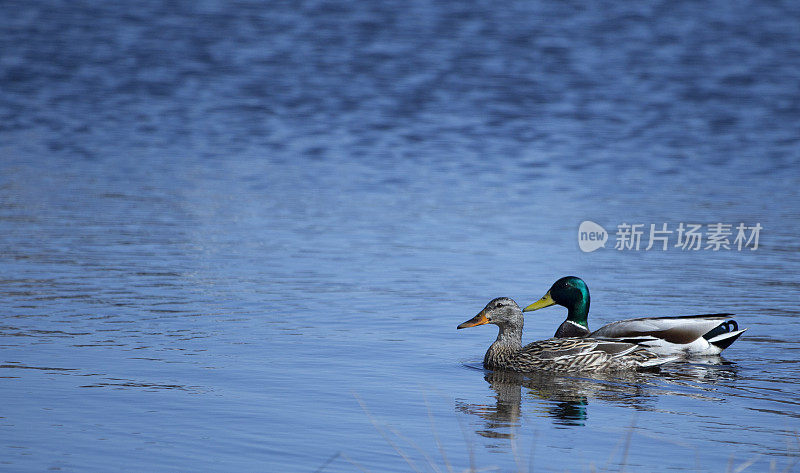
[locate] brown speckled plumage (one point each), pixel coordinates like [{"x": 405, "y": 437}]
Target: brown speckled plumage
[{"x": 554, "y": 354}]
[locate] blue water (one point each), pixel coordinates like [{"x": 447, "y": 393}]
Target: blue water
[{"x": 238, "y": 236}]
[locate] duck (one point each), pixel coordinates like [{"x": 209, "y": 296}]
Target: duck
[
  {"x": 685, "y": 335},
  {"x": 555, "y": 354}
]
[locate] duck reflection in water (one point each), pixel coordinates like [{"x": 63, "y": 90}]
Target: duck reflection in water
[{"x": 566, "y": 399}]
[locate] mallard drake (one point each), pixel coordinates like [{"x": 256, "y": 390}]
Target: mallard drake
[
  {"x": 554, "y": 354},
  {"x": 705, "y": 334}
]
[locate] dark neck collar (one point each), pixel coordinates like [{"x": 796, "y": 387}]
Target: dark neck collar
[{"x": 569, "y": 328}]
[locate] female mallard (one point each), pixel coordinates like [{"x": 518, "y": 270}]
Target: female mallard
[
  {"x": 555, "y": 354},
  {"x": 706, "y": 334}
]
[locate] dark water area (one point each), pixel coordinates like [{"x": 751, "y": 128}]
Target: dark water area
[{"x": 238, "y": 236}]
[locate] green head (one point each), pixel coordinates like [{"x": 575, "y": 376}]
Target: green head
[{"x": 570, "y": 292}]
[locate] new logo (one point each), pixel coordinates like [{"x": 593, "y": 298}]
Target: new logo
[{"x": 591, "y": 236}]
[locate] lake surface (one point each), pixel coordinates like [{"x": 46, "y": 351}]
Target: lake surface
[{"x": 238, "y": 236}]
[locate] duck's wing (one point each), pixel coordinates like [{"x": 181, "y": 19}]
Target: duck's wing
[
  {"x": 632, "y": 354},
  {"x": 586, "y": 354},
  {"x": 691, "y": 334}
]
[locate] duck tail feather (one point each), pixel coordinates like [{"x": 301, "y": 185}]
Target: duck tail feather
[
  {"x": 728, "y": 326},
  {"x": 725, "y": 340}
]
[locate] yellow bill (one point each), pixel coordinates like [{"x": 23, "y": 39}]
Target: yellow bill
[{"x": 545, "y": 301}]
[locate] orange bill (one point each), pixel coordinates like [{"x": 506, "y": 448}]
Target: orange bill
[{"x": 479, "y": 319}]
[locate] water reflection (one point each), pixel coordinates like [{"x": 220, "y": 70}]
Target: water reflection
[
  {"x": 119, "y": 383},
  {"x": 505, "y": 411},
  {"x": 566, "y": 399},
  {"x": 700, "y": 379}
]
